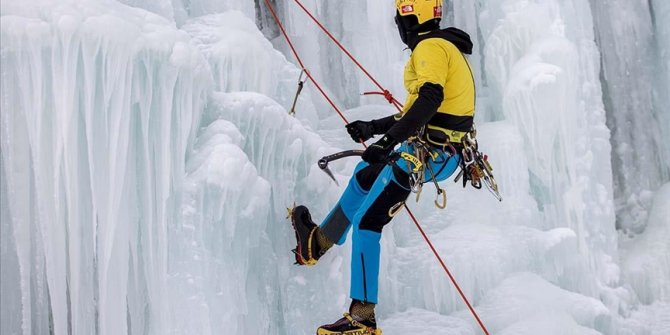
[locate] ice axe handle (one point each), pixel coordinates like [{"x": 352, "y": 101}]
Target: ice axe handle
[{"x": 323, "y": 162}]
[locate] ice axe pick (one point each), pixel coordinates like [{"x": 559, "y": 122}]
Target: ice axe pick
[{"x": 323, "y": 162}]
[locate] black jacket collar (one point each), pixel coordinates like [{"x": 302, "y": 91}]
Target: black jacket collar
[{"x": 456, "y": 36}]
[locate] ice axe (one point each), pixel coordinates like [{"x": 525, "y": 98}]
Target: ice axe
[{"x": 323, "y": 162}]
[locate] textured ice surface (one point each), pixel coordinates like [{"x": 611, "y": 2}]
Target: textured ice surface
[
  {"x": 147, "y": 161},
  {"x": 423, "y": 322},
  {"x": 646, "y": 258},
  {"x": 241, "y": 59},
  {"x": 216, "y": 245},
  {"x": 99, "y": 104},
  {"x": 651, "y": 319},
  {"x": 632, "y": 78}
]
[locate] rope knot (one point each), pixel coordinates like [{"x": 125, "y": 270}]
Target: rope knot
[{"x": 389, "y": 97}]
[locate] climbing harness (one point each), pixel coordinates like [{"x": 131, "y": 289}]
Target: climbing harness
[
  {"x": 474, "y": 165},
  {"x": 301, "y": 84},
  {"x": 398, "y": 106},
  {"x": 424, "y": 152}
]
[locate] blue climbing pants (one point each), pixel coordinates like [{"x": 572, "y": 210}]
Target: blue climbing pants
[{"x": 366, "y": 204}]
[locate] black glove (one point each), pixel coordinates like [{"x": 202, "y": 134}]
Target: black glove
[
  {"x": 379, "y": 151},
  {"x": 361, "y": 130}
]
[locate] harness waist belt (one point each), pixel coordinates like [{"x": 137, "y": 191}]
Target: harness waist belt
[
  {"x": 444, "y": 129},
  {"x": 452, "y": 122}
]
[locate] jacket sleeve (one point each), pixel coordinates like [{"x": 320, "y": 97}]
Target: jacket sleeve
[
  {"x": 381, "y": 126},
  {"x": 423, "y": 109}
]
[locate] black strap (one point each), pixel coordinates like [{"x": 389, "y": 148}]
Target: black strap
[
  {"x": 452, "y": 122},
  {"x": 421, "y": 111}
]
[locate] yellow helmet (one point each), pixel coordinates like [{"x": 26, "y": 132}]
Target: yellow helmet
[
  {"x": 423, "y": 10},
  {"x": 416, "y": 16}
]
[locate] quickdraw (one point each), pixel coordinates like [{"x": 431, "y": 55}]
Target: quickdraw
[
  {"x": 424, "y": 152},
  {"x": 475, "y": 166},
  {"x": 301, "y": 84}
]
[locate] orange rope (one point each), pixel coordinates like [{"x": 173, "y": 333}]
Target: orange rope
[{"x": 391, "y": 100}]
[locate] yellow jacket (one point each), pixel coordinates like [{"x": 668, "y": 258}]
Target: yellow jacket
[
  {"x": 441, "y": 89},
  {"x": 438, "y": 61}
]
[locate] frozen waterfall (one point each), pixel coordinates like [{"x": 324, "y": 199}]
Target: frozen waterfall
[{"x": 148, "y": 158}]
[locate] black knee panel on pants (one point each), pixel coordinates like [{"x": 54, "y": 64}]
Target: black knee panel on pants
[
  {"x": 377, "y": 216},
  {"x": 367, "y": 175},
  {"x": 401, "y": 176}
]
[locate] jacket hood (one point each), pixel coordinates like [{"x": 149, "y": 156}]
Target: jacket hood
[{"x": 454, "y": 35}]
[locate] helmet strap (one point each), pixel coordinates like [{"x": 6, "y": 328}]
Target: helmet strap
[{"x": 407, "y": 34}]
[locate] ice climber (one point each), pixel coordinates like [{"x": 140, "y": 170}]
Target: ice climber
[{"x": 438, "y": 113}]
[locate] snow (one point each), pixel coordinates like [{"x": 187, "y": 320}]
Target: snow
[
  {"x": 647, "y": 258},
  {"x": 425, "y": 323},
  {"x": 525, "y": 300},
  {"x": 148, "y": 158},
  {"x": 653, "y": 319}
]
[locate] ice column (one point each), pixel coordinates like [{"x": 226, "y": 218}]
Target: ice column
[
  {"x": 242, "y": 59},
  {"x": 542, "y": 62},
  {"x": 625, "y": 35},
  {"x": 660, "y": 11},
  {"x": 99, "y": 104}
]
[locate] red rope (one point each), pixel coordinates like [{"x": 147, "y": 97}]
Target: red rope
[
  {"x": 444, "y": 266},
  {"x": 353, "y": 59},
  {"x": 388, "y": 96},
  {"x": 391, "y": 100},
  {"x": 295, "y": 53}
]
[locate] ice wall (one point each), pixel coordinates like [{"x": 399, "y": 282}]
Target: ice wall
[
  {"x": 661, "y": 10},
  {"x": 246, "y": 274},
  {"x": 543, "y": 64},
  {"x": 235, "y": 266},
  {"x": 647, "y": 257},
  {"x": 179, "y": 11},
  {"x": 355, "y": 24},
  {"x": 99, "y": 105},
  {"x": 241, "y": 59},
  {"x": 214, "y": 250},
  {"x": 625, "y": 34},
  {"x": 135, "y": 200}
]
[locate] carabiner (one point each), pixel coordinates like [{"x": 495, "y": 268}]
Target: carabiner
[
  {"x": 443, "y": 205},
  {"x": 395, "y": 209},
  {"x": 301, "y": 83}
]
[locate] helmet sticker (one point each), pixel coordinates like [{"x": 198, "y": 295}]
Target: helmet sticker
[
  {"x": 407, "y": 9},
  {"x": 437, "y": 11}
]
